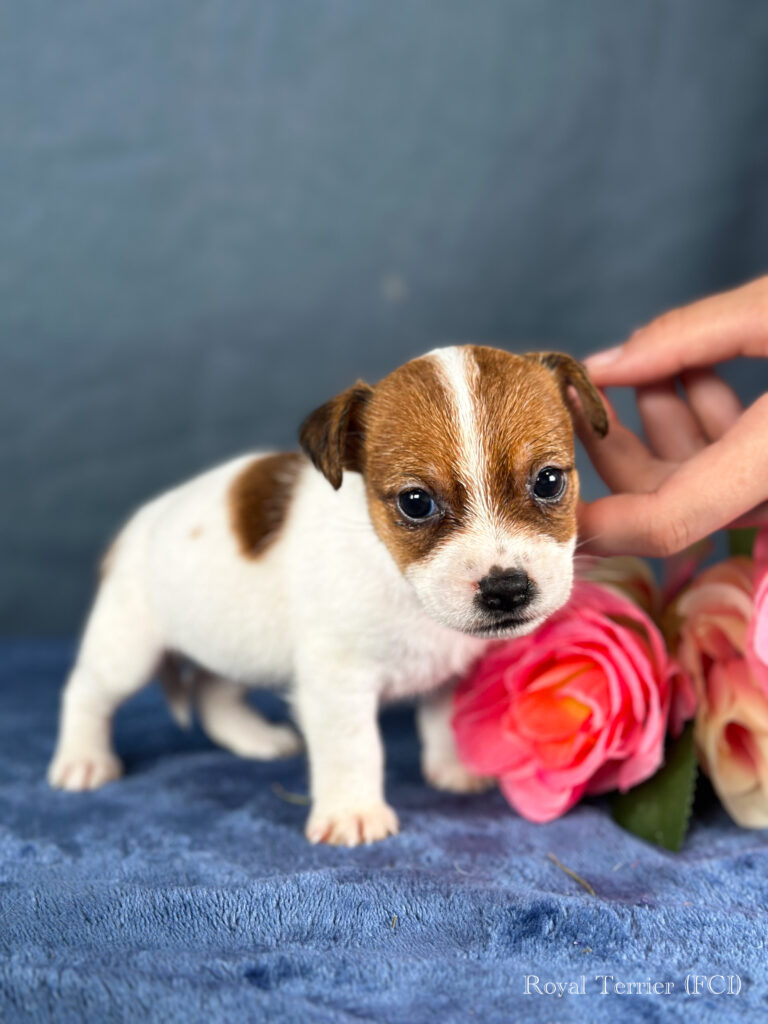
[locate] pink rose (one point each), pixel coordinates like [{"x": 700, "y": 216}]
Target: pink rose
[
  {"x": 757, "y": 637},
  {"x": 580, "y": 706}
]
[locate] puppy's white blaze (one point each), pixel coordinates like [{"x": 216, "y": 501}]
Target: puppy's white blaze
[
  {"x": 446, "y": 581},
  {"x": 458, "y": 371}
]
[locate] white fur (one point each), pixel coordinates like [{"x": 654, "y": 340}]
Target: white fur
[
  {"x": 458, "y": 371},
  {"x": 325, "y": 606},
  {"x": 446, "y": 580}
]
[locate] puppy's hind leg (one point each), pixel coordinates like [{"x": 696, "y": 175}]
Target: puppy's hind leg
[
  {"x": 229, "y": 720},
  {"x": 118, "y": 655}
]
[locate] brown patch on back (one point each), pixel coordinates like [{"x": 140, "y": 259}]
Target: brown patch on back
[{"x": 259, "y": 498}]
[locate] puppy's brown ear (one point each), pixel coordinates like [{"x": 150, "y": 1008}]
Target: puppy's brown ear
[
  {"x": 570, "y": 373},
  {"x": 332, "y": 436}
]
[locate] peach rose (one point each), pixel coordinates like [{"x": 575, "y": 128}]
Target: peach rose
[
  {"x": 721, "y": 635},
  {"x": 715, "y": 613},
  {"x": 731, "y": 736},
  {"x": 631, "y": 576},
  {"x": 580, "y": 706}
]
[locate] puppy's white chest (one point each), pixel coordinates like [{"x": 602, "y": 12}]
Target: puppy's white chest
[{"x": 422, "y": 658}]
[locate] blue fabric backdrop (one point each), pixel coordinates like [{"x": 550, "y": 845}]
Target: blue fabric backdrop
[{"x": 216, "y": 215}]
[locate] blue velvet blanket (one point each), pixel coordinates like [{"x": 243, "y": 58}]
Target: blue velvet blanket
[{"x": 186, "y": 892}]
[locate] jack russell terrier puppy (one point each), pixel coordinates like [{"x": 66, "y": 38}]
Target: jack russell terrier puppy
[{"x": 429, "y": 515}]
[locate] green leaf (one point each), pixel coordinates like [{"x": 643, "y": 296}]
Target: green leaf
[
  {"x": 659, "y": 810},
  {"x": 741, "y": 542}
]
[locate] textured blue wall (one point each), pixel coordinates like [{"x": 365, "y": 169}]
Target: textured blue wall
[{"x": 214, "y": 215}]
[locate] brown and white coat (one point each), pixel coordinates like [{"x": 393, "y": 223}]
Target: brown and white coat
[{"x": 303, "y": 570}]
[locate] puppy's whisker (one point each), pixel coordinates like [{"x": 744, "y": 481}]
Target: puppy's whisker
[{"x": 588, "y": 540}]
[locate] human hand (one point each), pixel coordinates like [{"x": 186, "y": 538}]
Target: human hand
[{"x": 706, "y": 462}]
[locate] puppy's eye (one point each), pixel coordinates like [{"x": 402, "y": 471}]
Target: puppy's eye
[
  {"x": 550, "y": 484},
  {"x": 416, "y": 504}
]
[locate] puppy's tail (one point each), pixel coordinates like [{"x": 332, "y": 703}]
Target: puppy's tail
[{"x": 178, "y": 686}]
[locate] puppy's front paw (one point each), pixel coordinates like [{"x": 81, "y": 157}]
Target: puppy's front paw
[
  {"x": 84, "y": 770},
  {"x": 350, "y": 827},
  {"x": 453, "y": 777}
]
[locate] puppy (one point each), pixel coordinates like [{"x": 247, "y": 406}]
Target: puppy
[{"x": 428, "y": 516}]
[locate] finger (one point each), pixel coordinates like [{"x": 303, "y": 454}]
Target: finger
[
  {"x": 714, "y": 403},
  {"x": 621, "y": 459},
  {"x": 597, "y": 537},
  {"x": 701, "y": 334},
  {"x": 672, "y": 430},
  {"x": 612, "y": 526},
  {"x": 724, "y": 482}
]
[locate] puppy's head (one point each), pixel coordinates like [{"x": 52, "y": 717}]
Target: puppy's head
[{"x": 467, "y": 457}]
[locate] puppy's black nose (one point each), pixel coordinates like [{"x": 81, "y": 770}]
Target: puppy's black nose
[{"x": 505, "y": 590}]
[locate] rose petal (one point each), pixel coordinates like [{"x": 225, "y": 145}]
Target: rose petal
[
  {"x": 579, "y": 704},
  {"x": 534, "y": 800}
]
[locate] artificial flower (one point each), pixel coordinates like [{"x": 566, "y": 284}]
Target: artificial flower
[{"x": 579, "y": 706}]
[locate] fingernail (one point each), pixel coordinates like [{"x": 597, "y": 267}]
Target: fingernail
[{"x": 603, "y": 358}]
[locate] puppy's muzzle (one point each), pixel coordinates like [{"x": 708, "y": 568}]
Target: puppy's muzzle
[{"x": 505, "y": 591}]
